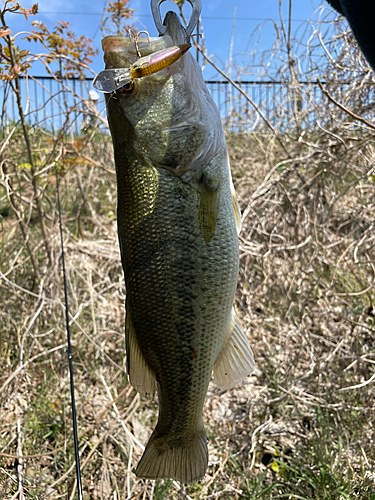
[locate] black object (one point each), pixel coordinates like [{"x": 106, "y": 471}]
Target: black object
[
  {"x": 361, "y": 17},
  {"x": 70, "y": 356}
]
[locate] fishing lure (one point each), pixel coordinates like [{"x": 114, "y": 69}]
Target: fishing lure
[{"x": 110, "y": 80}]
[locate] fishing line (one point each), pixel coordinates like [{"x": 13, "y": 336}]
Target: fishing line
[{"x": 74, "y": 417}]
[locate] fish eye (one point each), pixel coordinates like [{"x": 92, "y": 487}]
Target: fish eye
[{"x": 125, "y": 89}]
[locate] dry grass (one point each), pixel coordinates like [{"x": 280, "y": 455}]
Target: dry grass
[{"x": 302, "y": 426}]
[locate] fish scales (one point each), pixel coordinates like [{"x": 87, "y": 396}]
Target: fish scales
[
  {"x": 178, "y": 286},
  {"x": 179, "y": 249}
]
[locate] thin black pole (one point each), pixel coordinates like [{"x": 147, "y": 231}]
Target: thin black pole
[{"x": 70, "y": 357}]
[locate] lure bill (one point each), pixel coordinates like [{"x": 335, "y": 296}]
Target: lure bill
[{"x": 110, "y": 80}]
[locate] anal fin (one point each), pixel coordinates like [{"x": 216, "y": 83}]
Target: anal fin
[
  {"x": 236, "y": 360},
  {"x": 141, "y": 376}
]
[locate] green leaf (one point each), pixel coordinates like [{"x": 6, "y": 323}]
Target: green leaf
[{"x": 24, "y": 165}]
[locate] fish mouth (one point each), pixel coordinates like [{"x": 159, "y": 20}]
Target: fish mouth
[
  {"x": 121, "y": 51},
  {"x": 117, "y": 76},
  {"x": 130, "y": 58}
]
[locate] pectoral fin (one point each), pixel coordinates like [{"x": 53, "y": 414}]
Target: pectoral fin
[
  {"x": 141, "y": 376},
  {"x": 208, "y": 210},
  {"x": 236, "y": 360},
  {"x": 236, "y": 209}
]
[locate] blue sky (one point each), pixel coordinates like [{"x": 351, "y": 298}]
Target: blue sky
[{"x": 217, "y": 19}]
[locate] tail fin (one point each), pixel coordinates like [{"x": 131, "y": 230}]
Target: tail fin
[{"x": 168, "y": 457}]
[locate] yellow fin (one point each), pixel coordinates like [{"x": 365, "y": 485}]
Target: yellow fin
[
  {"x": 236, "y": 360},
  {"x": 208, "y": 209},
  {"x": 141, "y": 376},
  {"x": 162, "y": 459},
  {"x": 236, "y": 209}
]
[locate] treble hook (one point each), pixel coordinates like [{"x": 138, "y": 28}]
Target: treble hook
[
  {"x": 197, "y": 9},
  {"x": 136, "y": 36}
]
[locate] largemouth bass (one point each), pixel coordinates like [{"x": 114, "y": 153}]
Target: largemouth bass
[{"x": 177, "y": 222}]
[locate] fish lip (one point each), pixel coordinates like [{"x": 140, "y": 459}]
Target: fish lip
[
  {"x": 125, "y": 47},
  {"x": 174, "y": 29}
]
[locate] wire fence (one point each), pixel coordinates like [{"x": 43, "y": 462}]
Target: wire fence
[
  {"x": 53, "y": 104},
  {"x": 278, "y": 101},
  {"x": 73, "y": 104}
]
